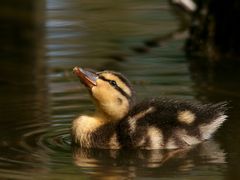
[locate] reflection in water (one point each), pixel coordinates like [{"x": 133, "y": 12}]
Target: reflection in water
[{"x": 109, "y": 164}]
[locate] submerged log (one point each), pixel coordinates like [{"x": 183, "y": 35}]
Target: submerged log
[{"x": 214, "y": 31}]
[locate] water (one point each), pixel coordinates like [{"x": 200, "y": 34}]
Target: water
[{"x": 39, "y": 96}]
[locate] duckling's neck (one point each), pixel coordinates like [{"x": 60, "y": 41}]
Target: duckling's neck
[{"x": 106, "y": 117}]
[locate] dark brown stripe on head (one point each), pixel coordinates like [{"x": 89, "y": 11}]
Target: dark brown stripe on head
[
  {"x": 117, "y": 88},
  {"x": 121, "y": 77}
]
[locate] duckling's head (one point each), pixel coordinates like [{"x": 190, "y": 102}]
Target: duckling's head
[{"x": 110, "y": 90}]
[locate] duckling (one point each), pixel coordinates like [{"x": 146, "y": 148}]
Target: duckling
[{"x": 158, "y": 123}]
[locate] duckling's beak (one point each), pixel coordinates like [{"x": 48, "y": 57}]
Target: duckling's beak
[{"x": 88, "y": 78}]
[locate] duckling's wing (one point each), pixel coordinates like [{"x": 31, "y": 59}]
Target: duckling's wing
[{"x": 167, "y": 123}]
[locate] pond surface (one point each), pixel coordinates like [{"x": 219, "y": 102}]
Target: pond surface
[{"x": 39, "y": 96}]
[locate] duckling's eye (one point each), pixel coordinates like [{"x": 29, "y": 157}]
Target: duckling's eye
[{"x": 113, "y": 83}]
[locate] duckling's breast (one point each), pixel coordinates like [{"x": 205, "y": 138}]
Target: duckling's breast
[{"x": 88, "y": 132}]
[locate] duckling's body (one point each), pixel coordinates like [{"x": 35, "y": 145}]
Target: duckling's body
[
  {"x": 169, "y": 124},
  {"x": 158, "y": 123}
]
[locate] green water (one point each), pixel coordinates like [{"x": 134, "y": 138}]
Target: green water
[{"x": 39, "y": 96}]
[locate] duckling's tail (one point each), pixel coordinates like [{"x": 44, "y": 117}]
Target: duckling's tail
[
  {"x": 219, "y": 110},
  {"x": 208, "y": 129}
]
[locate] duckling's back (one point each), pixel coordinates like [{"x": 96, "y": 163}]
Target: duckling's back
[{"x": 169, "y": 124}]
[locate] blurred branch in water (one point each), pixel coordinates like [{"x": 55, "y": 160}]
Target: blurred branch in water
[
  {"x": 181, "y": 32},
  {"x": 149, "y": 44}
]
